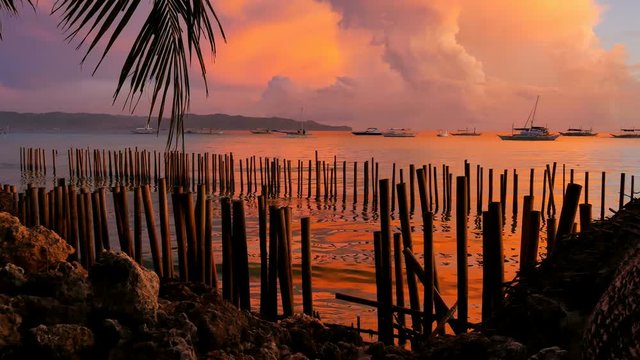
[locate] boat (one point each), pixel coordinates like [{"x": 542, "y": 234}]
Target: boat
[
  {"x": 368, "y": 132},
  {"x": 578, "y": 132},
  {"x": 443, "y": 133},
  {"x": 204, "y": 131},
  {"x": 465, "y": 132},
  {"x": 399, "y": 132},
  {"x": 531, "y": 132},
  {"x": 297, "y": 133},
  {"x": 632, "y": 133},
  {"x": 144, "y": 130},
  {"x": 261, "y": 131}
]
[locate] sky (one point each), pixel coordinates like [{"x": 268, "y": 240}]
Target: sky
[{"x": 425, "y": 64}]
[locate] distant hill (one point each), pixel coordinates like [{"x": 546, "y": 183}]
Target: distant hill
[{"x": 84, "y": 122}]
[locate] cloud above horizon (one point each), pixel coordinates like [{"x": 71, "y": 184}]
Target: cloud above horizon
[{"x": 423, "y": 64}]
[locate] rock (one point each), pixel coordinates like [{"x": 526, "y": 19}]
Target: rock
[
  {"x": 552, "y": 353},
  {"x": 7, "y": 203},
  {"x": 311, "y": 337},
  {"x": 32, "y": 249},
  {"x": 124, "y": 290},
  {"x": 12, "y": 278},
  {"x": 474, "y": 346},
  {"x": 62, "y": 341},
  {"x": 37, "y": 310},
  {"x": 10, "y": 322},
  {"x": 66, "y": 282},
  {"x": 159, "y": 346},
  {"x": 108, "y": 333},
  {"x": 614, "y": 327},
  {"x": 268, "y": 351}
]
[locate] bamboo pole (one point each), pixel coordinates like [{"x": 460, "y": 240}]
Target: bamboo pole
[
  {"x": 307, "y": 288},
  {"x": 569, "y": 209},
  {"x": 165, "y": 231},
  {"x": 227, "y": 250},
  {"x": 461, "y": 251},
  {"x": 154, "y": 242},
  {"x": 405, "y": 225},
  {"x": 493, "y": 261},
  {"x": 241, "y": 260}
]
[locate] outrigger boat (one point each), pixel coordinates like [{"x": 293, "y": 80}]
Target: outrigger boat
[
  {"x": 465, "y": 132},
  {"x": 369, "y": 132},
  {"x": 396, "y": 132},
  {"x": 261, "y": 131},
  {"x": 204, "y": 131},
  {"x": 578, "y": 132},
  {"x": 627, "y": 134},
  {"x": 531, "y": 132}
]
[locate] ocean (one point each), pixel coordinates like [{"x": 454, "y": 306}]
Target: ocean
[{"x": 341, "y": 231}]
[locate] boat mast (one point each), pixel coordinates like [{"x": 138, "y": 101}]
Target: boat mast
[
  {"x": 301, "y": 121},
  {"x": 535, "y": 108}
]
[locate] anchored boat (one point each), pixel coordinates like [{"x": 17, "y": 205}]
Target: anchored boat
[
  {"x": 368, "y": 132},
  {"x": 628, "y": 134},
  {"x": 466, "y": 132},
  {"x": 144, "y": 130},
  {"x": 578, "y": 132},
  {"x": 261, "y": 131},
  {"x": 397, "y": 132},
  {"x": 204, "y": 131},
  {"x": 531, "y": 132}
]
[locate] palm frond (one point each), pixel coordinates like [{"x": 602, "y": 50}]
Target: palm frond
[
  {"x": 11, "y": 7},
  {"x": 172, "y": 33}
]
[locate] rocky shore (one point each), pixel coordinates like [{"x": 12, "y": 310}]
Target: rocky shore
[{"x": 581, "y": 301}]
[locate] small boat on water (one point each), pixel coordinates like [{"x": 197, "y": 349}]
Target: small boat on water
[
  {"x": 578, "y": 132},
  {"x": 204, "y": 131},
  {"x": 300, "y": 133},
  {"x": 368, "y": 132},
  {"x": 144, "y": 130},
  {"x": 465, "y": 132},
  {"x": 399, "y": 132},
  {"x": 261, "y": 131},
  {"x": 531, "y": 132},
  {"x": 443, "y": 133},
  {"x": 297, "y": 133},
  {"x": 632, "y": 133}
]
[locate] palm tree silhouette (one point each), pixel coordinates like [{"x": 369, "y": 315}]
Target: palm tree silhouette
[{"x": 173, "y": 33}]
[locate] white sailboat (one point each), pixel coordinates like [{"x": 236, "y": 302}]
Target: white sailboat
[
  {"x": 531, "y": 132},
  {"x": 300, "y": 133},
  {"x": 144, "y": 130}
]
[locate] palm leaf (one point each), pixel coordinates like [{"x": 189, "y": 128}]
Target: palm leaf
[
  {"x": 11, "y": 7},
  {"x": 172, "y": 33}
]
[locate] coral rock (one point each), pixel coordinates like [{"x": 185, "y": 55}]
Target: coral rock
[
  {"x": 32, "y": 249},
  {"x": 62, "y": 341},
  {"x": 12, "y": 278},
  {"x": 123, "y": 289}
]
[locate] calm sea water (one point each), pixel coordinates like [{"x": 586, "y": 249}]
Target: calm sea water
[{"x": 342, "y": 248}]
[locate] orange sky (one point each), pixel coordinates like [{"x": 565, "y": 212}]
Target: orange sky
[{"x": 414, "y": 63}]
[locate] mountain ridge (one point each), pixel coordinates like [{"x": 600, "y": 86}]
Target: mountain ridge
[{"x": 90, "y": 122}]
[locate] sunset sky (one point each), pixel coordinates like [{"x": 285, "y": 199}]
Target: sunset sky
[{"x": 426, "y": 64}]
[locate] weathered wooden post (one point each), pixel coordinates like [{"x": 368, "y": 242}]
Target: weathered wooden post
[
  {"x": 493, "y": 261},
  {"x": 461, "y": 252},
  {"x": 385, "y": 263},
  {"x": 569, "y": 209},
  {"x": 405, "y": 225},
  {"x": 307, "y": 288}
]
